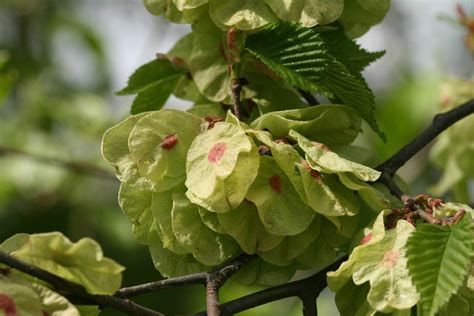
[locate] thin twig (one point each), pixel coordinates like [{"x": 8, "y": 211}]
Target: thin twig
[
  {"x": 440, "y": 123},
  {"x": 217, "y": 278},
  {"x": 309, "y": 98},
  {"x": 76, "y": 291},
  {"x": 77, "y": 167},
  {"x": 315, "y": 284},
  {"x": 191, "y": 279}
]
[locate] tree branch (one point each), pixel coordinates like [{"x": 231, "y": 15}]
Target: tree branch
[
  {"x": 77, "y": 167},
  {"x": 191, "y": 279},
  {"x": 440, "y": 123},
  {"x": 76, "y": 291},
  {"x": 309, "y": 98},
  {"x": 313, "y": 284}
]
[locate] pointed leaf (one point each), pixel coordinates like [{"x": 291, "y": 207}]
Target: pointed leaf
[
  {"x": 439, "y": 272},
  {"x": 300, "y": 56},
  {"x": 348, "y": 52}
]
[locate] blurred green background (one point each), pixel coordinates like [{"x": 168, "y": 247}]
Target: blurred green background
[{"x": 62, "y": 60}]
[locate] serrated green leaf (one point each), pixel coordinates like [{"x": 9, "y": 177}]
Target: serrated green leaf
[
  {"x": 242, "y": 14},
  {"x": 308, "y": 13},
  {"x": 321, "y": 158},
  {"x": 153, "y": 83},
  {"x": 292, "y": 246},
  {"x": 330, "y": 124},
  {"x": 207, "y": 246},
  {"x": 300, "y": 56},
  {"x": 381, "y": 261},
  {"x": 136, "y": 205},
  {"x": 170, "y": 264},
  {"x": 159, "y": 143},
  {"x": 352, "y": 90},
  {"x": 296, "y": 54},
  {"x": 280, "y": 208},
  {"x": 244, "y": 225},
  {"x": 360, "y": 15},
  {"x": 81, "y": 262},
  {"x": 438, "y": 259},
  {"x": 347, "y": 51},
  {"x": 221, "y": 165}
]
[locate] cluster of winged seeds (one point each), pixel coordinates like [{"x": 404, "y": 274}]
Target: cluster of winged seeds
[{"x": 200, "y": 191}]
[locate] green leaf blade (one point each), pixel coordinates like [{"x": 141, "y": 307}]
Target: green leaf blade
[
  {"x": 306, "y": 59},
  {"x": 438, "y": 260},
  {"x": 154, "y": 96}
]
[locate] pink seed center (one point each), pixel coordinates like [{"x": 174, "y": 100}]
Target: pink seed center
[
  {"x": 217, "y": 152},
  {"x": 275, "y": 184},
  {"x": 390, "y": 258}
]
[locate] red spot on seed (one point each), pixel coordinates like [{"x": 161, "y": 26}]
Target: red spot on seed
[
  {"x": 216, "y": 152},
  {"x": 275, "y": 184},
  {"x": 366, "y": 239},
  {"x": 169, "y": 142},
  {"x": 314, "y": 173},
  {"x": 7, "y": 305}
]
